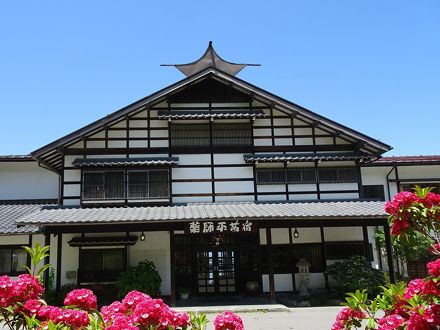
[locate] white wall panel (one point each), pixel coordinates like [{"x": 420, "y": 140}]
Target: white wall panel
[
  {"x": 302, "y": 197},
  {"x": 26, "y": 180},
  {"x": 233, "y": 172},
  {"x": 159, "y": 144},
  {"x": 262, "y": 142},
  {"x": 249, "y": 198},
  {"x": 191, "y": 187},
  {"x": 228, "y": 159},
  {"x": 280, "y": 235},
  {"x": 155, "y": 248},
  {"x": 72, "y": 190},
  {"x": 201, "y": 199},
  {"x": 191, "y": 173},
  {"x": 343, "y": 234},
  {"x": 234, "y": 187},
  {"x": 117, "y": 134},
  {"x": 196, "y": 159},
  {"x": 138, "y": 123},
  {"x": 137, "y": 144},
  {"x": 307, "y": 235}
]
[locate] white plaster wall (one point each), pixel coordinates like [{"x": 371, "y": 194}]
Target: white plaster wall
[
  {"x": 284, "y": 282},
  {"x": 155, "y": 248},
  {"x": 307, "y": 235},
  {"x": 191, "y": 173},
  {"x": 69, "y": 259},
  {"x": 280, "y": 235},
  {"x": 234, "y": 187},
  {"x": 343, "y": 234},
  {"x": 26, "y": 180}
]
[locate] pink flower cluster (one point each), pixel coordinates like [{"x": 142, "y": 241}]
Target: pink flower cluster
[
  {"x": 69, "y": 317},
  {"x": 81, "y": 298},
  {"x": 434, "y": 268},
  {"x": 139, "y": 309},
  {"x": 228, "y": 321},
  {"x": 24, "y": 288},
  {"x": 346, "y": 318},
  {"x": 398, "y": 208}
]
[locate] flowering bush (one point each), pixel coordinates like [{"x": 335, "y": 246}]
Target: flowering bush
[
  {"x": 228, "y": 321},
  {"x": 22, "y": 307},
  {"x": 412, "y": 306}
]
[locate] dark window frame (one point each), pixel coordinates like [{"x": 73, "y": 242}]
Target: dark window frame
[
  {"x": 15, "y": 272},
  {"x": 305, "y": 175},
  {"x": 211, "y": 135},
  {"x": 373, "y": 192},
  {"x": 348, "y": 250},
  {"x": 161, "y": 186},
  {"x": 100, "y": 275}
]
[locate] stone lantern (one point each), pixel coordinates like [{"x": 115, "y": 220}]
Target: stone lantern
[{"x": 304, "y": 276}]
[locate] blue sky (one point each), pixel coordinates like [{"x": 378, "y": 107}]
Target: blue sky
[{"x": 372, "y": 65}]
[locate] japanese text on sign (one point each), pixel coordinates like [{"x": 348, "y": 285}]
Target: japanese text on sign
[{"x": 208, "y": 227}]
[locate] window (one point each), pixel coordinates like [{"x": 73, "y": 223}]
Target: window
[
  {"x": 411, "y": 186},
  {"x": 337, "y": 175},
  {"x": 198, "y": 135},
  {"x": 286, "y": 256},
  {"x": 375, "y": 192},
  {"x": 344, "y": 250},
  {"x": 12, "y": 260},
  {"x": 129, "y": 184},
  {"x": 101, "y": 265}
]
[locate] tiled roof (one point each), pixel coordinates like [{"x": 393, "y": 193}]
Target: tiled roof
[
  {"x": 215, "y": 114},
  {"x": 407, "y": 160},
  {"x": 211, "y": 211},
  {"x": 121, "y": 162},
  {"x": 16, "y": 158},
  {"x": 9, "y": 213},
  {"x": 103, "y": 241},
  {"x": 304, "y": 157}
]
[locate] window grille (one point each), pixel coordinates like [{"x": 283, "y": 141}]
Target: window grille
[
  {"x": 375, "y": 192},
  {"x": 344, "y": 250},
  {"x": 129, "y": 184},
  {"x": 100, "y": 265},
  {"x": 337, "y": 175},
  {"x": 312, "y": 253},
  {"x": 198, "y": 135}
]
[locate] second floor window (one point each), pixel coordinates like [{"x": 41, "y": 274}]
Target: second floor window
[
  {"x": 125, "y": 184},
  {"x": 199, "y": 135},
  {"x": 12, "y": 260}
]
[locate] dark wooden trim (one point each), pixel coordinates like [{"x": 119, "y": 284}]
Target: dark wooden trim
[
  {"x": 359, "y": 179},
  {"x": 318, "y": 192},
  {"x": 366, "y": 241},
  {"x": 173, "y": 267},
  {"x": 213, "y": 180},
  {"x": 389, "y": 249},
  {"x": 396, "y": 171},
  {"x": 324, "y": 255},
  {"x": 414, "y": 180},
  {"x": 270, "y": 264},
  {"x": 59, "y": 256},
  {"x": 46, "y": 262},
  {"x": 272, "y": 129}
]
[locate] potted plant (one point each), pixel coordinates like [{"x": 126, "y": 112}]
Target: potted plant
[{"x": 183, "y": 293}]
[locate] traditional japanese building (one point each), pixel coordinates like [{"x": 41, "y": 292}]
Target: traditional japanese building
[{"x": 218, "y": 182}]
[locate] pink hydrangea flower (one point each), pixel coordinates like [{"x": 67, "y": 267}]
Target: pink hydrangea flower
[
  {"x": 228, "y": 321},
  {"x": 134, "y": 297},
  {"x": 81, "y": 298}
]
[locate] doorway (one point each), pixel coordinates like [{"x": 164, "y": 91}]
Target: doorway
[{"x": 216, "y": 271}]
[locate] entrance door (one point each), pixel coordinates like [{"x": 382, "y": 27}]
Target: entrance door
[{"x": 216, "y": 271}]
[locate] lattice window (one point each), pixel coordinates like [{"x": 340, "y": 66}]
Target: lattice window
[
  {"x": 266, "y": 176},
  {"x": 344, "y": 250},
  {"x": 337, "y": 175},
  {"x": 198, "y": 135},
  {"x": 312, "y": 253},
  {"x": 125, "y": 184}
]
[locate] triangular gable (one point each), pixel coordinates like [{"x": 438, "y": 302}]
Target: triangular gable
[{"x": 51, "y": 154}]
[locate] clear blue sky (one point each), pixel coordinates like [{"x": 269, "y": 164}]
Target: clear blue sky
[{"x": 372, "y": 65}]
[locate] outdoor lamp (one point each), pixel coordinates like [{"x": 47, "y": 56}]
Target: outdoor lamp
[
  {"x": 142, "y": 237},
  {"x": 295, "y": 233}
]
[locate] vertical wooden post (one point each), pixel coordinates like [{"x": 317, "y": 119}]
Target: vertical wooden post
[
  {"x": 173, "y": 272},
  {"x": 270, "y": 264},
  {"x": 324, "y": 256},
  {"x": 366, "y": 242},
  {"x": 389, "y": 248},
  {"x": 59, "y": 255},
  {"x": 46, "y": 262}
]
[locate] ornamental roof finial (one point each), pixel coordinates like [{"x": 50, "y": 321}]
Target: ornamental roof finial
[{"x": 210, "y": 59}]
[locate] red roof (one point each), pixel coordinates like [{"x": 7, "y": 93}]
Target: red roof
[{"x": 408, "y": 160}]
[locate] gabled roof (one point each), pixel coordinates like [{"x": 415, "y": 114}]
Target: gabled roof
[
  {"x": 208, "y": 211},
  {"x": 50, "y": 156},
  {"x": 407, "y": 160}
]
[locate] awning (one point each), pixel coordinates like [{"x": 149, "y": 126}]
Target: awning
[
  {"x": 305, "y": 157},
  {"x": 103, "y": 241},
  {"x": 124, "y": 162},
  {"x": 214, "y": 114}
]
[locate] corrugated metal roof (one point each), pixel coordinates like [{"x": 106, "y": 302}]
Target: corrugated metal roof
[
  {"x": 122, "y": 162},
  {"x": 210, "y": 211},
  {"x": 9, "y": 213},
  {"x": 214, "y": 114},
  {"x": 304, "y": 157}
]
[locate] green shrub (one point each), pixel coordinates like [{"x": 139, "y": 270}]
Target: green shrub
[
  {"x": 143, "y": 277},
  {"x": 356, "y": 273}
]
